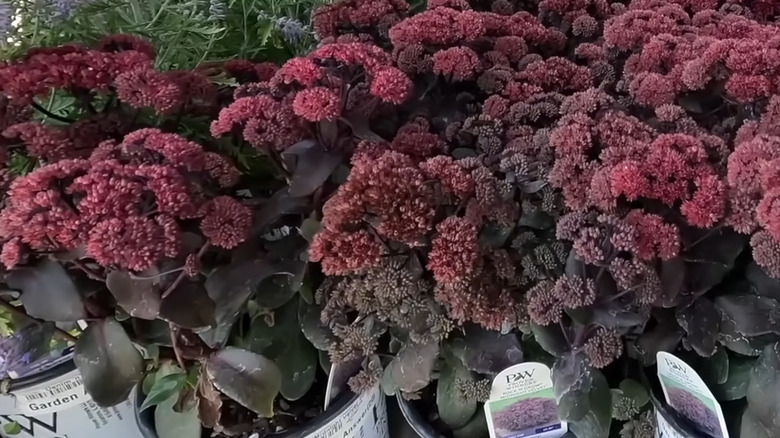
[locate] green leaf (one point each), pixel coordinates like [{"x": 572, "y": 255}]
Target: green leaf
[
  {"x": 737, "y": 381},
  {"x": 635, "y": 391},
  {"x": 12, "y": 428},
  {"x": 714, "y": 370},
  {"x": 597, "y": 421},
  {"x": 248, "y": 378},
  {"x": 299, "y": 368},
  {"x": 171, "y": 424},
  {"x": 550, "y": 338},
  {"x": 312, "y": 326},
  {"x": 109, "y": 363},
  {"x": 163, "y": 389},
  {"x": 273, "y": 333},
  {"x": 475, "y": 428},
  {"x": 453, "y": 409}
]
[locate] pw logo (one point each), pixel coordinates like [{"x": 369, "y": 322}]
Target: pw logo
[
  {"x": 675, "y": 366},
  {"x": 516, "y": 377}
]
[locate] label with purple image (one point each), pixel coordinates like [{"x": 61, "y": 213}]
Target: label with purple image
[
  {"x": 689, "y": 396},
  {"x": 522, "y": 404}
]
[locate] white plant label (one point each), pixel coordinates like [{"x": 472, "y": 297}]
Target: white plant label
[
  {"x": 60, "y": 408},
  {"x": 665, "y": 430},
  {"x": 689, "y": 396},
  {"x": 365, "y": 417},
  {"x": 522, "y": 404},
  {"x": 53, "y": 398}
]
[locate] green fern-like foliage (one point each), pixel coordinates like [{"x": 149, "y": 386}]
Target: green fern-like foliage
[{"x": 186, "y": 32}]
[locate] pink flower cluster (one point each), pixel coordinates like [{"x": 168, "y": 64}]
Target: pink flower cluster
[
  {"x": 358, "y": 16},
  {"x": 123, "y": 205},
  {"x": 611, "y": 156}
]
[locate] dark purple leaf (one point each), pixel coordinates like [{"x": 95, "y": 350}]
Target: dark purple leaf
[
  {"x": 572, "y": 376},
  {"x": 551, "y": 338},
  {"x": 764, "y": 285},
  {"x": 48, "y": 292},
  {"x": 189, "y": 306},
  {"x": 229, "y": 287},
  {"x": 360, "y": 124},
  {"x": 280, "y": 204},
  {"x": 412, "y": 368},
  {"x": 712, "y": 258},
  {"x": 672, "y": 275},
  {"x": 140, "y": 298},
  {"x": 248, "y": 378},
  {"x": 313, "y": 166},
  {"x": 662, "y": 337},
  {"x": 749, "y": 315},
  {"x": 701, "y": 321},
  {"x": 108, "y": 362},
  {"x": 763, "y": 395},
  {"x": 618, "y": 316},
  {"x": 486, "y": 351}
]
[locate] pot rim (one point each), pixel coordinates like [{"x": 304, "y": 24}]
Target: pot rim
[
  {"x": 145, "y": 420},
  {"x": 415, "y": 420}
]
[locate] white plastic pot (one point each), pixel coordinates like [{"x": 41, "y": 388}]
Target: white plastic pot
[
  {"x": 351, "y": 416},
  {"x": 52, "y": 403}
]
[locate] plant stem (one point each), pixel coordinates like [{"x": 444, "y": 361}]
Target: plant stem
[
  {"x": 22, "y": 314},
  {"x": 183, "y": 273},
  {"x": 175, "y": 344},
  {"x": 51, "y": 114}
]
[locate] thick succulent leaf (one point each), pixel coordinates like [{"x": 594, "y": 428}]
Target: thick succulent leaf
[
  {"x": 138, "y": 297},
  {"x": 572, "y": 377},
  {"x": 299, "y": 368},
  {"x": 313, "y": 166},
  {"x": 280, "y": 203},
  {"x": 412, "y": 368},
  {"x": 319, "y": 334},
  {"x": 273, "y": 334},
  {"x": 277, "y": 290},
  {"x": 189, "y": 306},
  {"x": 539, "y": 220},
  {"x": 48, "y": 292},
  {"x": 752, "y": 427},
  {"x": 763, "y": 394},
  {"x": 596, "y": 422},
  {"x": 453, "y": 410},
  {"x": 635, "y": 391},
  {"x": 108, "y": 362},
  {"x": 250, "y": 379},
  {"x": 550, "y": 338},
  {"x": 171, "y": 424},
  {"x": 701, "y": 321},
  {"x": 714, "y": 370},
  {"x": 475, "y": 428},
  {"x": 763, "y": 284},
  {"x": 736, "y": 385},
  {"x": 712, "y": 258},
  {"x": 749, "y": 315},
  {"x": 230, "y": 287},
  {"x": 662, "y": 337},
  {"x": 672, "y": 274},
  {"x": 615, "y": 315},
  {"x": 495, "y": 235},
  {"x": 487, "y": 351}
]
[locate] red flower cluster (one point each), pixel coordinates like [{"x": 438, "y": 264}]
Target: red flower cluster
[
  {"x": 123, "y": 204},
  {"x": 357, "y": 16}
]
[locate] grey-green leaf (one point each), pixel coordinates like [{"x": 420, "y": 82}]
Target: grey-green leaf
[
  {"x": 737, "y": 381},
  {"x": 550, "y": 338},
  {"x": 763, "y": 394},
  {"x": 248, "y": 378},
  {"x": 299, "y": 368},
  {"x": 312, "y": 327},
  {"x": 109, "y": 363},
  {"x": 634, "y": 390},
  {"x": 171, "y": 424},
  {"x": 453, "y": 409},
  {"x": 412, "y": 368},
  {"x": 487, "y": 351},
  {"x": 475, "y": 428},
  {"x": 597, "y": 421},
  {"x": 572, "y": 377}
]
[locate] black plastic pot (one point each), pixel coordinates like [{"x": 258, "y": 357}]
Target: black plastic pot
[
  {"x": 42, "y": 376},
  {"x": 145, "y": 419},
  {"x": 415, "y": 420}
]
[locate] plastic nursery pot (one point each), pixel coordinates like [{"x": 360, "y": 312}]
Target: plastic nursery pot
[
  {"x": 350, "y": 416},
  {"x": 51, "y": 402},
  {"x": 416, "y": 420}
]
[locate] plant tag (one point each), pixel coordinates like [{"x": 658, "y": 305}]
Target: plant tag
[
  {"x": 338, "y": 377},
  {"x": 688, "y": 395},
  {"x": 53, "y": 398},
  {"x": 522, "y": 404}
]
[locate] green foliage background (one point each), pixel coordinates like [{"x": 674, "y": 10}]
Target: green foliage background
[{"x": 185, "y": 32}]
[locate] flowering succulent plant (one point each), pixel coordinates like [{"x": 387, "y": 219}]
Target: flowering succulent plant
[{"x": 571, "y": 169}]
